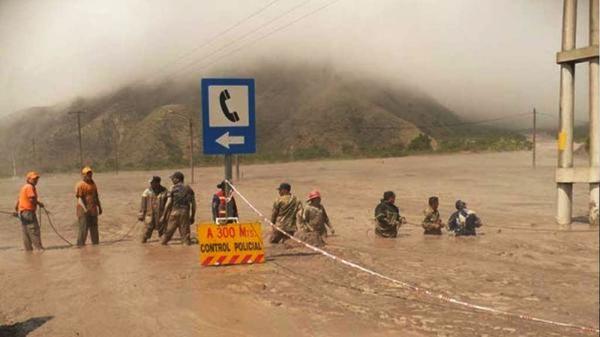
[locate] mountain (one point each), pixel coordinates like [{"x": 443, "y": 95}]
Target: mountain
[{"x": 303, "y": 111}]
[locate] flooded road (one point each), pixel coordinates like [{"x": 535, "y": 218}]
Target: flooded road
[{"x": 519, "y": 263}]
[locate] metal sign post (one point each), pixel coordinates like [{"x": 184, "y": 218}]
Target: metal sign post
[{"x": 228, "y": 177}]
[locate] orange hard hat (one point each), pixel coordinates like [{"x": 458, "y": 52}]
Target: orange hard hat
[
  {"x": 86, "y": 170},
  {"x": 313, "y": 195},
  {"x": 32, "y": 175}
]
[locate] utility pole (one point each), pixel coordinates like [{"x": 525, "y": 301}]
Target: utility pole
[
  {"x": 534, "y": 135},
  {"x": 78, "y": 113},
  {"x": 191, "y": 127},
  {"x": 191, "y": 148},
  {"x": 14, "y": 165},
  {"x": 566, "y": 115},
  {"x": 35, "y": 162},
  {"x": 594, "y": 71},
  {"x": 115, "y": 137},
  {"x": 117, "y": 155},
  {"x": 566, "y": 173}
]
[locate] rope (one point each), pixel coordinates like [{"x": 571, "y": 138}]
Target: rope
[
  {"x": 342, "y": 285},
  {"x": 124, "y": 236},
  {"x": 524, "y": 229},
  {"x": 6, "y": 212},
  {"x": 545, "y": 230},
  {"x": 71, "y": 244},
  {"x": 406, "y": 285},
  {"x": 54, "y": 228}
]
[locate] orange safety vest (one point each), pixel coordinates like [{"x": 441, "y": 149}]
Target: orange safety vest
[{"x": 222, "y": 210}]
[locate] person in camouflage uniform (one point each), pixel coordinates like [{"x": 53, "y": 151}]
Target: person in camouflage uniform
[
  {"x": 313, "y": 217},
  {"x": 152, "y": 208},
  {"x": 463, "y": 222},
  {"x": 313, "y": 221},
  {"x": 285, "y": 210},
  {"x": 387, "y": 216},
  {"x": 180, "y": 210},
  {"x": 432, "y": 223}
]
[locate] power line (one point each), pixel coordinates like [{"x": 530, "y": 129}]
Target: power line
[
  {"x": 195, "y": 49},
  {"x": 216, "y": 36},
  {"x": 268, "y": 34},
  {"x": 513, "y": 116},
  {"x": 177, "y": 59},
  {"x": 556, "y": 117},
  {"x": 212, "y": 39},
  {"x": 446, "y": 126},
  {"x": 194, "y": 62}
]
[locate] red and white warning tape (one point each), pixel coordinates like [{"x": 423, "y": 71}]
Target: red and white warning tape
[
  {"x": 410, "y": 286},
  {"x": 240, "y": 259}
]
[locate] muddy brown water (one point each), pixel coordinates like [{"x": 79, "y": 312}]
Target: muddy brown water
[{"x": 129, "y": 289}]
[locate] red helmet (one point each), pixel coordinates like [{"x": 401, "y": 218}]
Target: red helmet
[{"x": 313, "y": 195}]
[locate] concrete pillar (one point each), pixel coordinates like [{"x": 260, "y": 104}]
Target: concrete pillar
[
  {"x": 567, "y": 94},
  {"x": 594, "y": 113}
]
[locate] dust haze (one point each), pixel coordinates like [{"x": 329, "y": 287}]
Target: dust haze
[{"x": 479, "y": 58}]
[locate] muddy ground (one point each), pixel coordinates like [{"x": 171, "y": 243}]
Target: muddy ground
[{"x": 124, "y": 288}]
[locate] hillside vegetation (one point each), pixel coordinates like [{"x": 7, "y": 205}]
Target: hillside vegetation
[{"x": 303, "y": 112}]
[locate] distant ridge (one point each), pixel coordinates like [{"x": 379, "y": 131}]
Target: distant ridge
[{"x": 302, "y": 111}]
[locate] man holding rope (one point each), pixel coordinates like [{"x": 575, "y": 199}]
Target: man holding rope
[
  {"x": 88, "y": 208},
  {"x": 387, "y": 216},
  {"x": 464, "y": 221},
  {"x": 25, "y": 208},
  {"x": 432, "y": 223}
]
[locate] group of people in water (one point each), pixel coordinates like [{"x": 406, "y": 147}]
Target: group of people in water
[
  {"x": 463, "y": 222},
  {"x": 167, "y": 210},
  {"x": 309, "y": 221}
]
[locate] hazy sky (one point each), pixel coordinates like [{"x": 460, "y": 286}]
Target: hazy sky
[{"x": 481, "y": 58}]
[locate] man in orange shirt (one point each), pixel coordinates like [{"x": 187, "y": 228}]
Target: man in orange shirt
[
  {"x": 25, "y": 209},
  {"x": 88, "y": 208}
]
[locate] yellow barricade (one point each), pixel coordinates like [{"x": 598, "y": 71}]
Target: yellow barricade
[{"x": 230, "y": 244}]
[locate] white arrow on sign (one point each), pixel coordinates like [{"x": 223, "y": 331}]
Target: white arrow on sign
[{"x": 225, "y": 140}]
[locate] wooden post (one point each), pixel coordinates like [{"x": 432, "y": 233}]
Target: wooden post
[
  {"x": 78, "y": 113},
  {"x": 534, "y": 137},
  {"x": 117, "y": 155},
  {"x": 80, "y": 142},
  {"x": 14, "y": 165},
  {"x": 34, "y": 154},
  {"x": 191, "y": 149}
]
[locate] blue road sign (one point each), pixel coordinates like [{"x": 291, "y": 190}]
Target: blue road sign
[{"x": 228, "y": 116}]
